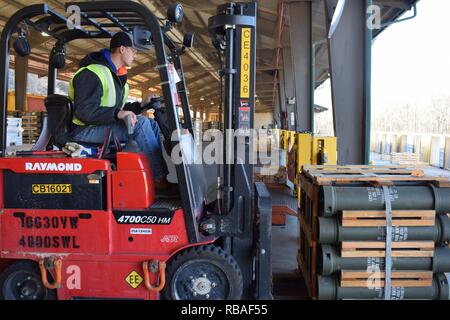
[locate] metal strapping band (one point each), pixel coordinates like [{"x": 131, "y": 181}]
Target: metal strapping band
[{"x": 388, "y": 258}]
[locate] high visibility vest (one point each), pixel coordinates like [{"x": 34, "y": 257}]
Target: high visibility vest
[{"x": 108, "y": 99}]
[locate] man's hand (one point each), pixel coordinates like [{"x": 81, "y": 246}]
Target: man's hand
[
  {"x": 148, "y": 100},
  {"x": 152, "y": 102},
  {"x": 77, "y": 151},
  {"x": 122, "y": 115}
]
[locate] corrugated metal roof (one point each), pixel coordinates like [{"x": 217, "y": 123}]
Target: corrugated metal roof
[{"x": 201, "y": 63}]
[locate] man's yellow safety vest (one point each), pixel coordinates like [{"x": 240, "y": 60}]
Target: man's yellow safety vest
[{"x": 108, "y": 99}]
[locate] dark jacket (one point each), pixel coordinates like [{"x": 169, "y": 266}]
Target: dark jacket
[{"x": 88, "y": 92}]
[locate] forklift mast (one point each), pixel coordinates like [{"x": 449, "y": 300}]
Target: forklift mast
[{"x": 246, "y": 218}]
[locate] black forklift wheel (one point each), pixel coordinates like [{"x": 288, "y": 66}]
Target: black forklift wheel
[
  {"x": 203, "y": 273},
  {"x": 22, "y": 281}
]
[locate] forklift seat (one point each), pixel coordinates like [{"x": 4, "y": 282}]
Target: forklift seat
[
  {"x": 59, "y": 113},
  {"x": 59, "y": 122}
]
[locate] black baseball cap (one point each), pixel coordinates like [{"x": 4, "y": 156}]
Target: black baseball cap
[{"x": 121, "y": 39}]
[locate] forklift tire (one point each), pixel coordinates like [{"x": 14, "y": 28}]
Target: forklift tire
[
  {"x": 22, "y": 281},
  {"x": 203, "y": 273}
]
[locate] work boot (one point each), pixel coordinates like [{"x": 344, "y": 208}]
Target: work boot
[{"x": 166, "y": 190}]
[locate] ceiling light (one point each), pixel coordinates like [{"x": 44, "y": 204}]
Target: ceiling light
[
  {"x": 202, "y": 98},
  {"x": 45, "y": 34},
  {"x": 212, "y": 102}
]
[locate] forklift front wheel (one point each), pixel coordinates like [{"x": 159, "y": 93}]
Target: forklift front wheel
[
  {"x": 203, "y": 273},
  {"x": 22, "y": 281}
]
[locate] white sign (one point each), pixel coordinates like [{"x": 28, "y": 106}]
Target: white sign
[
  {"x": 76, "y": 167},
  {"x": 141, "y": 231}
]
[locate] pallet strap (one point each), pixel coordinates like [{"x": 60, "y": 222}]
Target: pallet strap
[{"x": 388, "y": 259}]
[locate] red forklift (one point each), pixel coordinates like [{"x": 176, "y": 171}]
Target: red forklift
[{"x": 91, "y": 228}]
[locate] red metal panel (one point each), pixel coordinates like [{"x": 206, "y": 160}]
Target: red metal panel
[
  {"x": 35, "y": 104},
  {"x": 102, "y": 279},
  {"x": 155, "y": 239},
  {"x": 132, "y": 161},
  {"x": 55, "y": 231},
  {"x": 133, "y": 186},
  {"x": 54, "y": 165}
]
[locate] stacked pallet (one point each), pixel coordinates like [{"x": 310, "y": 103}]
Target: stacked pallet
[
  {"x": 406, "y": 158},
  {"x": 374, "y": 232},
  {"x": 31, "y": 124},
  {"x": 270, "y": 175}
]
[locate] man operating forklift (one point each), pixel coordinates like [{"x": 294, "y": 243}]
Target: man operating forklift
[{"x": 99, "y": 91}]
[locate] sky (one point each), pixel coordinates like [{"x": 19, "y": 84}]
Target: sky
[{"x": 410, "y": 59}]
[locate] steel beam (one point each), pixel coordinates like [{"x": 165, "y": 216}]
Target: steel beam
[
  {"x": 300, "y": 35},
  {"x": 350, "y": 68},
  {"x": 277, "y": 109},
  {"x": 289, "y": 88},
  {"x": 283, "y": 100}
]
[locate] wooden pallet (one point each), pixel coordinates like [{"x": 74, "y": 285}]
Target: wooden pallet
[
  {"x": 310, "y": 185},
  {"x": 307, "y": 263},
  {"x": 400, "y": 218},
  {"x": 376, "y": 175},
  {"x": 367, "y": 279},
  {"x": 400, "y": 249}
]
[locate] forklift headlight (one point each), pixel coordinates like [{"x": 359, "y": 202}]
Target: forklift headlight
[
  {"x": 188, "y": 40},
  {"x": 175, "y": 13},
  {"x": 21, "y": 45}
]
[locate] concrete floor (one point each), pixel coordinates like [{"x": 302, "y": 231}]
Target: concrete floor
[
  {"x": 285, "y": 246},
  {"x": 288, "y": 283}
]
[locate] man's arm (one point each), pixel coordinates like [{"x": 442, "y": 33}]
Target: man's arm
[
  {"x": 135, "y": 107},
  {"x": 152, "y": 102},
  {"x": 88, "y": 94}
]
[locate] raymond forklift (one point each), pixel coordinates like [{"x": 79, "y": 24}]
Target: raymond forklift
[{"x": 91, "y": 228}]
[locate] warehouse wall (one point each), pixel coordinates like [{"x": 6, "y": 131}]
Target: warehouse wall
[{"x": 263, "y": 119}]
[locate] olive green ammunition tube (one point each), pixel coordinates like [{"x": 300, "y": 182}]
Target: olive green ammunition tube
[
  {"x": 335, "y": 199},
  {"x": 329, "y": 289},
  {"x": 329, "y": 262},
  {"x": 332, "y": 232}
]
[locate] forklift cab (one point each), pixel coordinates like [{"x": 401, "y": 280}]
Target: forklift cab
[
  {"x": 103, "y": 219},
  {"x": 101, "y": 21}
]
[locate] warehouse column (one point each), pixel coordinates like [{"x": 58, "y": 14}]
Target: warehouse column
[
  {"x": 21, "y": 82},
  {"x": 289, "y": 88},
  {"x": 277, "y": 109},
  {"x": 283, "y": 100},
  {"x": 350, "y": 68},
  {"x": 300, "y": 35}
]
